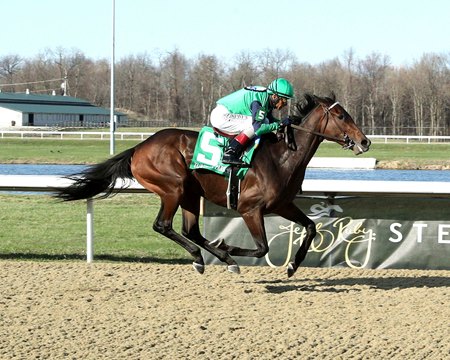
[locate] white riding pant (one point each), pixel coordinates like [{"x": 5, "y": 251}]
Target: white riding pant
[{"x": 231, "y": 124}]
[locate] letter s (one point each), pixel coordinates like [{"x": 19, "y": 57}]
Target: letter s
[
  {"x": 213, "y": 151},
  {"x": 394, "y": 230}
]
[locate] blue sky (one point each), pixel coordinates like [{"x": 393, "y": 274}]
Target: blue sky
[{"x": 313, "y": 30}]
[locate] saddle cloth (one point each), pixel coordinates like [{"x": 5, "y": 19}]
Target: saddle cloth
[{"x": 209, "y": 151}]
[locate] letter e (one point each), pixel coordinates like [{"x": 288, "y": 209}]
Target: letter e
[{"x": 441, "y": 234}]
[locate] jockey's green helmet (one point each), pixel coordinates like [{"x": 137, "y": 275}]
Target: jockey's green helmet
[{"x": 281, "y": 87}]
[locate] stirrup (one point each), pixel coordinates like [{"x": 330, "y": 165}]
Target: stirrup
[{"x": 234, "y": 162}]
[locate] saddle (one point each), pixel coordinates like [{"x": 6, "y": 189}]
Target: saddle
[{"x": 208, "y": 156}]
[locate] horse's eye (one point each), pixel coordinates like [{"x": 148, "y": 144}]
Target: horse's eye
[{"x": 340, "y": 116}]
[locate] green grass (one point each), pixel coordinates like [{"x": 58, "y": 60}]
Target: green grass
[
  {"x": 93, "y": 151},
  {"x": 416, "y": 155},
  {"x": 393, "y": 151},
  {"x": 39, "y": 227},
  {"x": 40, "y": 151}
]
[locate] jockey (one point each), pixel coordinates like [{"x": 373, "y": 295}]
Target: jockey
[{"x": 248, "y": 112}]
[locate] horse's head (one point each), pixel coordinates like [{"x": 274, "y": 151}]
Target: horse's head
[{"x": 327, "y": 118}]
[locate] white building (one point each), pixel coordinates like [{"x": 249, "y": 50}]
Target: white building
[{"x": 52, "y": 110}]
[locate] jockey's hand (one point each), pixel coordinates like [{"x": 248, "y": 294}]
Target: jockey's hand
[
  {"x": 280, "y": 135},
  {"x": 285, "y": 122}
]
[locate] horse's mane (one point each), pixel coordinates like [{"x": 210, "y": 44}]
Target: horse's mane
[{"x": 304, "y": 107}]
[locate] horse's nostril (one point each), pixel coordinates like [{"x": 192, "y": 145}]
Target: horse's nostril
[{"x": 366, "y": 143}]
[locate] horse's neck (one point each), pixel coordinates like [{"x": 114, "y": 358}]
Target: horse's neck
[
  {"x": 311, "y": 143},
  {"x": 307, "y": 145},
  {"x": 293, "y": 163}
]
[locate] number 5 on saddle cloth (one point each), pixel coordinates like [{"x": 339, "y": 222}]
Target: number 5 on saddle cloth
[{"x": 208, "y": 155}]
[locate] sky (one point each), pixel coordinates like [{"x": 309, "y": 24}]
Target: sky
[{"x": 314, "y": 31}]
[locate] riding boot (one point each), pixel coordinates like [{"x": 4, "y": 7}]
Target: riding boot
[{"x": 233, "y": 152}]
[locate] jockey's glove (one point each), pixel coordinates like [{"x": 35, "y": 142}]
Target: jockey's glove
[{"x": 285, "y": 122}]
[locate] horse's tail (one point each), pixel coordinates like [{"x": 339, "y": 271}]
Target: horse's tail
[{"x": 100, "y": 178}]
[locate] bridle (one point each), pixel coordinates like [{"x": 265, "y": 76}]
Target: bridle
[{"x": 348, "y": 143}]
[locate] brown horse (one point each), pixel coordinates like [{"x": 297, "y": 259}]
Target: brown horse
[{"x": 161, "y": 165}]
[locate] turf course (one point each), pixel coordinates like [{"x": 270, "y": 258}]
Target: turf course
[
  {"x": 39, "y": 227},
  {"x": 57, "y": 151}
]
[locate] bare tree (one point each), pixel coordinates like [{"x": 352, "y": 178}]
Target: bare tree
[
  {"x": 434, "y": 86},
  {"x": 275, "y": 63},
  {"x": 71, "y": 65},
  {"x": 372, "y": 72},
  {"x": 174, "y": 72},
  {"x": 243, "y": 72},
  {"x": 206, "y": 84},
  {"x": 169, "y": 87},
  {"x": 10, "y": 65}
]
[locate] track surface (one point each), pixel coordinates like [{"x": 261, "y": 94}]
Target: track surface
[{"x": 55, "y": 310}]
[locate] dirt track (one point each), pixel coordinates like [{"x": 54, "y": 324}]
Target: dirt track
[{"x": 56, "y": 310}]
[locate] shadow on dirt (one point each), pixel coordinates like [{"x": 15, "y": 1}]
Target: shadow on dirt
[
  {"x": 354, "y": 284},
  {"x": 100, "y": 257}
]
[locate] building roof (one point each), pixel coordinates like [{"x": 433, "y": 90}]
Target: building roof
[{"x": 50, "y": 104}]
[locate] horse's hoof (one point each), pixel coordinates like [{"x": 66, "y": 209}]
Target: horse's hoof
[
  {"x": 199, "y": 267},
  {"x": 216, "y": 243},
  {"x": 234, "y": 269},
  {"x": 291, "y": 269}
]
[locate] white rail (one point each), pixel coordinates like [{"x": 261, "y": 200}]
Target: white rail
[
  {"x": 103, "y": 135},
  {"x": 73, "y": 135},
  {"x": 410, "y": 138},
  {"x": 47, "y": 183}
]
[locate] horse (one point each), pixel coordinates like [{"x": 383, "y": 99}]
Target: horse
[{"x": 161, "y": 165}]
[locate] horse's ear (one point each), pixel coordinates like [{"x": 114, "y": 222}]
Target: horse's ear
[
  {"x": 316, "y": 99},
  {"x": 333, "y": 96},
  {"x": 304, "y": 107},
  {"x": 310, "y": 98}
]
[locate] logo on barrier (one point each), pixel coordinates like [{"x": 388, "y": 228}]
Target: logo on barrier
[
  {"x": 348, "y": 235},
  {"x": 345, "y": 232},
  {"x": 322, "y": 209}
]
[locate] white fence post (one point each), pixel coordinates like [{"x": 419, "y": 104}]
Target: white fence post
[{"x": 90, "y": 231}]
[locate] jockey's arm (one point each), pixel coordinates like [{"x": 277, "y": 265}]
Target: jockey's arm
[{"x": 263, "y": 122}]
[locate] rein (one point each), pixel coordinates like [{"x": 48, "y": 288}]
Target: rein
[
  {"x": 326, "y": 113},
  {"x": 328, "y": 137}
]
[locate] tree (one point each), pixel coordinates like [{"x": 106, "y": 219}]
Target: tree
[
  {"x": 430, "y": 83},
  {"x": 274, "y": 64},
  {"x": 243, "y": 72},
  {"x": 205, "y": 83},
  {"x": 10, "y": 65},
  {"x": 174, "y": 72},
  {"x": 171, "y": 88},
  {"x": 372, "y": 73}
]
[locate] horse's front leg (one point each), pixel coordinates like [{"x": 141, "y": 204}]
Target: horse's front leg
[{"x": 293, "y": 213}]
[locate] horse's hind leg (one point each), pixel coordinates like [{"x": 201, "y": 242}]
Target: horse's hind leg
[
  {"x": 164, "y": 225},
  {"x": 191, "y": 230},
  {"x": 255, "y": 224}
]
